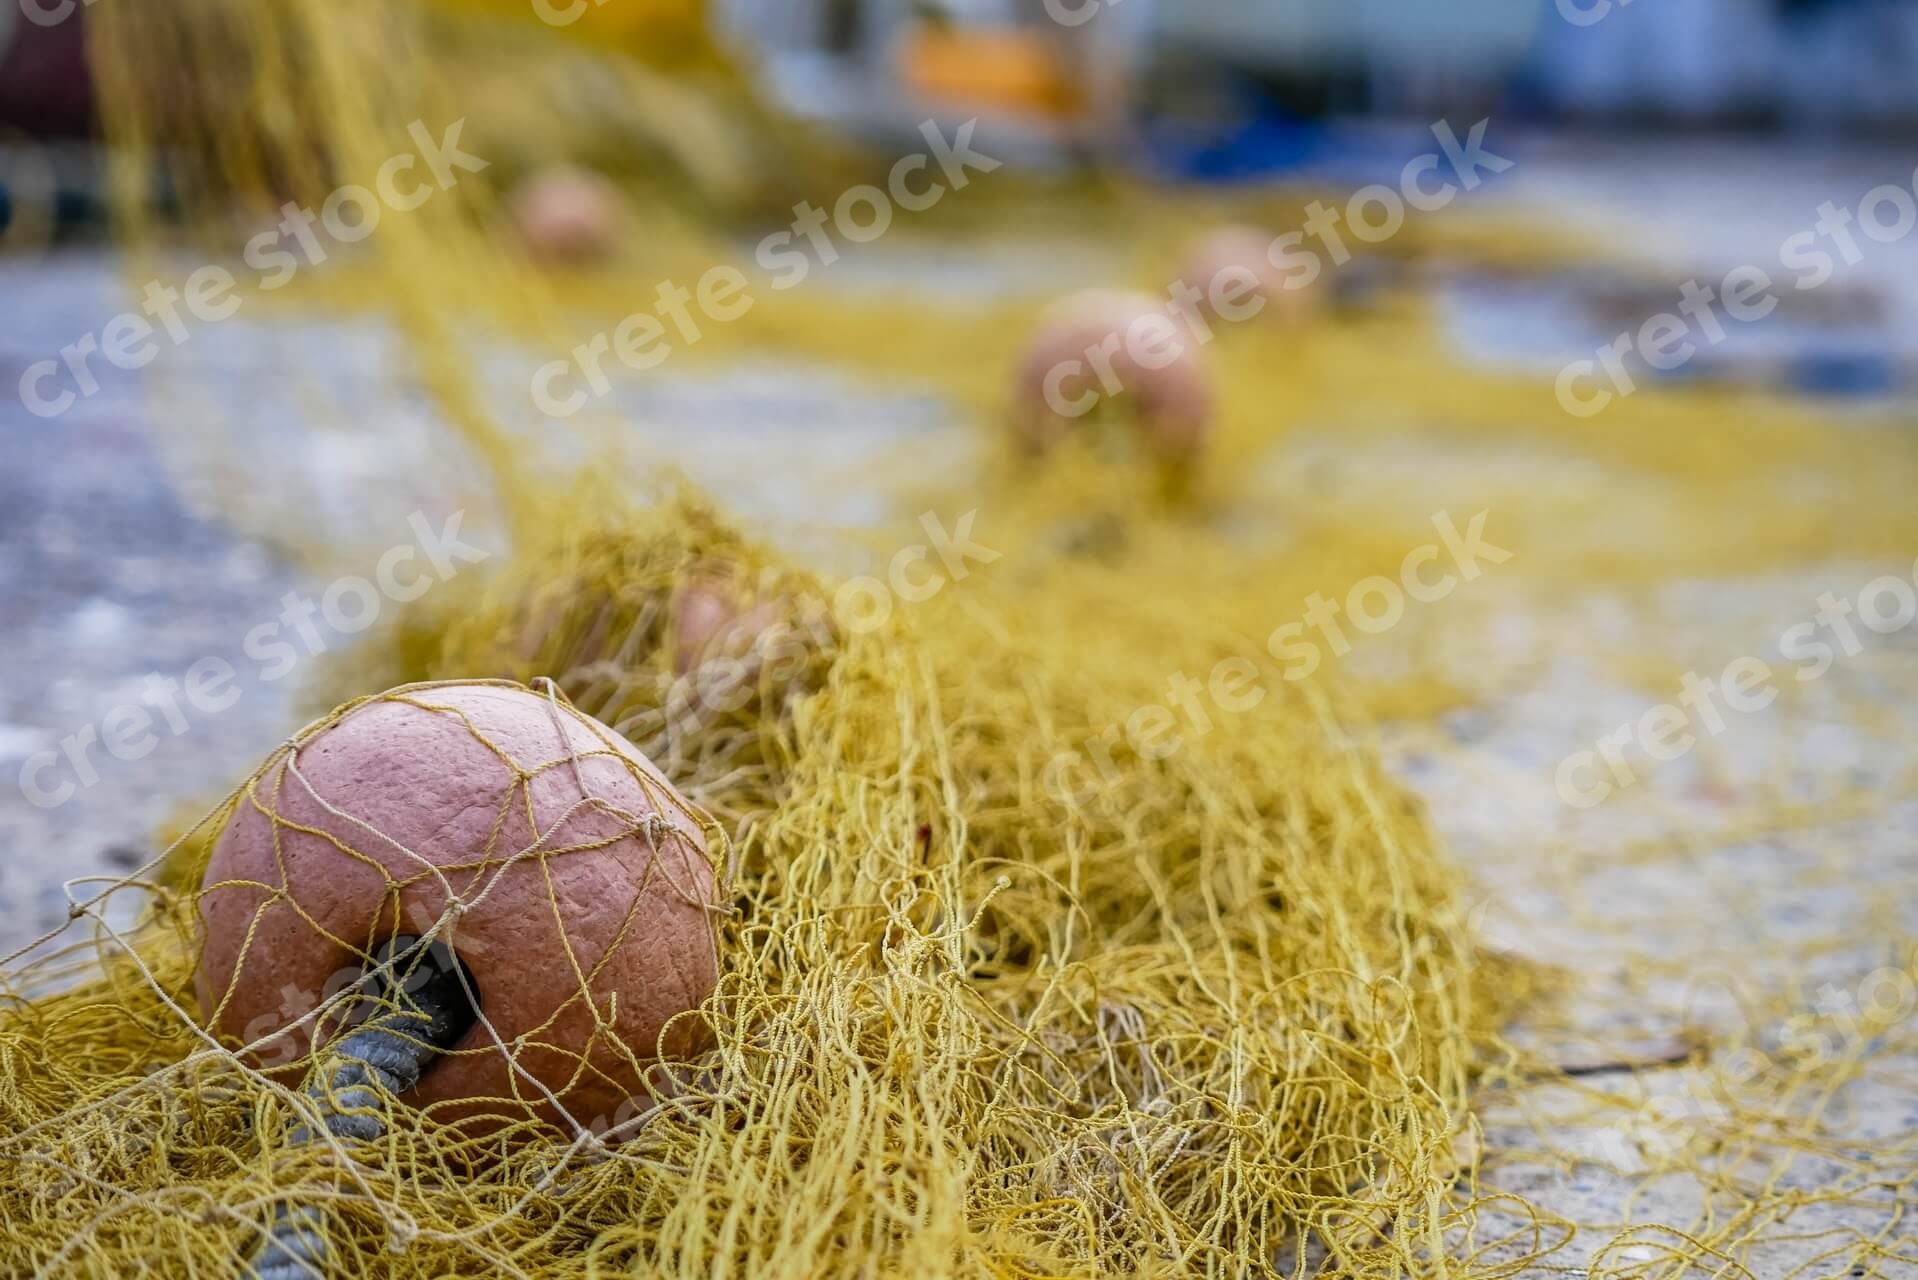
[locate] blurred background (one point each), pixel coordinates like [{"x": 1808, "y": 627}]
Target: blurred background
[
  {"x": 1650, "y": 143},
  {"x": 1224, "y": 89},
  {"x": 1731, "y": 66},
  {"x": 1661, "y": 123}
]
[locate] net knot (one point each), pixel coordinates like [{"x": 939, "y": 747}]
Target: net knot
[{"x": 401, "y": 1232}]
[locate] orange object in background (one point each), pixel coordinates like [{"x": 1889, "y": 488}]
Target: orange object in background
[{"x": 1002, "y": 67}]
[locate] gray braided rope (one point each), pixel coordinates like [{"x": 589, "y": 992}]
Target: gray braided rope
[{"x": 425, "y": 1011}]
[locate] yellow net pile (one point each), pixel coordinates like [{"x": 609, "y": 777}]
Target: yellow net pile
[
  {"x": 1224, "y": 1007},
  {"x": 1217, "y": 1012}
]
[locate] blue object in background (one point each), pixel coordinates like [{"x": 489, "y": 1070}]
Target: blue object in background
[
  {"x": 1827, "y": 373},
  {"x": 1257, "y": 139},
  {"x": 1263, "y": 141}
]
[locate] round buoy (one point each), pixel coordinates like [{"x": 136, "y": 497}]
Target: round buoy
[
  {"x": 567, "y": 877},
  {"x": 567, "y": 215},
  {"x": 1236, "y": 261},
  {"x": 712, "y": 619},
  {"x": 1105, "y": 344}
]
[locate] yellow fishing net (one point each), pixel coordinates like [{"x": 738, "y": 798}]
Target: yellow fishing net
[{"x": 1223, "y": 1010}]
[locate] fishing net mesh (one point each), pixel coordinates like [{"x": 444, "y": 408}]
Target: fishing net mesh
[{"x": 1228, "y": 1012}]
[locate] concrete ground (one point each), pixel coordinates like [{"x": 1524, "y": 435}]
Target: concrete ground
[{"x": 125, "y": 550}]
